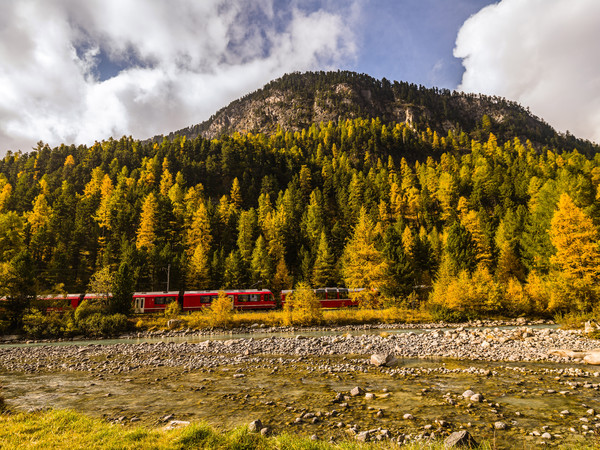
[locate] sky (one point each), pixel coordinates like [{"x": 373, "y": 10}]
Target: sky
[{"x": 76, "y": 72}]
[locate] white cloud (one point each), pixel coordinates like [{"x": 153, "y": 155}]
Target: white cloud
[
  {"x": 540, "y": 53},
  {"x": 180, "y": 62}
]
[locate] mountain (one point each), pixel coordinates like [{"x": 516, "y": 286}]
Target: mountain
[{"x": 297, "y": 100}]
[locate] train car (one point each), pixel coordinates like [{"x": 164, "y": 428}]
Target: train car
[
  {"x": 148, "y": 302},
  {"x": 242, "y": 299},
  {"x": 332, "y": 297},
  {"x": 57, "y": 302}
]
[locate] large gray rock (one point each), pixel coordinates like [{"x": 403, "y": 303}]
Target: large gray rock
[
  {"x": 383, "y": 359},
  {"x": 460, "y": 439}
]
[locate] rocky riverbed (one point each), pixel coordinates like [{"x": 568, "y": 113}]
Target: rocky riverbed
[{"x": 307, "y": 384}]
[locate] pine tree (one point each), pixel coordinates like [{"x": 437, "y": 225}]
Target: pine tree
[
  {"x": 234, "y": 276},
  {"x": 324, "y": 267},
  {"x": 261, "y": 266}
]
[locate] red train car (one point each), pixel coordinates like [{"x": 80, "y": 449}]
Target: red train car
[
  {"x": 333, "y": 297},
  {"x": 147, "y": 302},
  {"x": 58, "y": 302},
  {"x": 242, "y": 299}
]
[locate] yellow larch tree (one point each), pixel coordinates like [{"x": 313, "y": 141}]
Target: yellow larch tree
[
  {"x": 575, "y": 238},
  {"x": 146, "y": 235}
]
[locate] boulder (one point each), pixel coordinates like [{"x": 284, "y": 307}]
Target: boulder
[
  {"x": 383, "y": 359},
  {"x": 255, "y": 426},
  {"x": 460, "y": 439},
  {"x": 357, "y": 391}
]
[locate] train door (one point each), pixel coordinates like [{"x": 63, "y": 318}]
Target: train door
[{"x": 139, "y": 305}]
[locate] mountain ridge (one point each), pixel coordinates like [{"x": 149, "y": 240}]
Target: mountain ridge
[{"x": 317, "y": 97}]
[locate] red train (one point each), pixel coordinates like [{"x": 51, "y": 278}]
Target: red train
[
  {"x": 333, "y": 297},
  {"x": 242, "y": 299}
]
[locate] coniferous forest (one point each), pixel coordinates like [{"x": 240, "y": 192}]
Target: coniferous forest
[{"x": 470, "y": 223}]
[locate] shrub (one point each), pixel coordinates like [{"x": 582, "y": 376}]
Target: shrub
[
  {"x": 86, "y": 309},
  {"x": 220, "y": 312},
  {"x": 367, "y": 299},
  {"x": 172, "y": 310},
  {"x": 303, "y": 307},
  {"x": 99, "y": 324},
  {"x": 53, "y": 324}
]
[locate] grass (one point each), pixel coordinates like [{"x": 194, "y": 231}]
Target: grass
[
  {"x": 349, "y": 316},
  {"x": 57, "y": 429}
]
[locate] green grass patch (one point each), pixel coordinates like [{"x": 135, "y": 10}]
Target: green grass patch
[{"x": 56, "y": 429}]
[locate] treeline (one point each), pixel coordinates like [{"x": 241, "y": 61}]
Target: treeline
[{"x": 488, "y": 227}]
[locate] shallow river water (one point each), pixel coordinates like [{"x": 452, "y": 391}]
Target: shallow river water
[{"x": 298, "y": 394}]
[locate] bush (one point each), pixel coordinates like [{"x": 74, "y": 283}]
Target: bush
[
  {"x": 86, "y": 309},
  {"x": 99, "y": 324},
  {"x": 220, "y": 312},
  {"x": 52, "y": 324},
  {"x": 172, "y": 310},
  {"x": 303, "y": 307}
]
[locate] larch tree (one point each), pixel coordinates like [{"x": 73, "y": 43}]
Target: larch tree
[
  {"x": 575, "y": 238},
  {"x": 146, "y": 234},
  {"x": 364, "y": 266}
]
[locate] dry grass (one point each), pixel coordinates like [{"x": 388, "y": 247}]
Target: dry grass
[{"x": 347, "y": 316}]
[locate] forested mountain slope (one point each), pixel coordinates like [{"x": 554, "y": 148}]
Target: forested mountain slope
[{"x": 494, "y": 225}]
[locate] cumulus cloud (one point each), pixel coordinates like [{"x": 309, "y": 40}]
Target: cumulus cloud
[
  {"x": 75, "y": 72},
  {"x": 541, "y": 53}
]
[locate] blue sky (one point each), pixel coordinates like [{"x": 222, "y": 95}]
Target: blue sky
[
  {"x": 75, "y": 72},
  {"x": 413, "y": 40}
]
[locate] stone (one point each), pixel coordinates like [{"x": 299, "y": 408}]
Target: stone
[
  {"x": 383, "y": 359},
  {"x": 476, "y": 398},
  {"x": 546, "y": 436},
  {"x": 174, "y": 323},
  {"x": 265, "y": 431},
  {"x": 255, "y": 426},
  {"x": 369, "y": 396},
  {"x": 500, "y": 425},
  {"x": 460, "y": 439},
  {"x": 468, "y": 393},
  {"x": 408, "y": 416},
  {"x": 363, "y": 436},
  {"x": 176, "y": 424},
  {"x": 357, "y": 391}
]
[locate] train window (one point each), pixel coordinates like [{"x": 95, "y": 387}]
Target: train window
[
  {"x": 242, "y": 298},
  {"x": 332, "y": 294},
  {"x": 255, "y": 297},
  {"x": 343, "y": 293},
  {"x": 205, "y": 299},
  {"x": 320, "y": 293}
]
